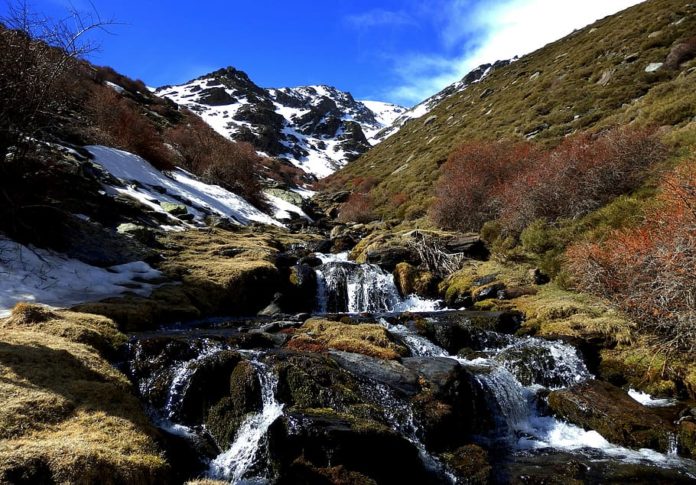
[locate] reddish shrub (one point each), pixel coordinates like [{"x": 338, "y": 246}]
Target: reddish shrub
[
  {"x": 358, "y": 208},
  {"x": 580, "y": 175},
  {"x": 473, "y": 179},
  {"x": 520, "y": 183},
  {"x": 125, "y": 127},
  {"x": 650, "y": 271},
  {"x": 234, "y": 166}
]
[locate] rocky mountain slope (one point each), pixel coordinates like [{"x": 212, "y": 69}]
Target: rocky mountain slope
[
  {"x": 317, "y": 128},
  {"x": 624, "y": 68},
  {"x": 426, "y": 106}
]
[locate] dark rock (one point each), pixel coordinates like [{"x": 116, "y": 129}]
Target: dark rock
[
  {"x": 209, "y": 382},
  {"x": 274, "y": 308},
  {"x": 330, "y": 439},
  {"x": 410, "y": 280},
  {"x": 225, "y": 417},
  {"x": 611, "y": 412},
  {"x": 452, "y": 406},
  {"x": 470, "y": 245},
  {"x": 470, "y": 463},
  {"x": 343, "y": 243},
  {"x": 309, "y": 380},
  {"x": 311, "y": 261},
  {"x": 476, "y": 330},
  {"x": 389, "y": 257},
  {"x": 387, "y": 372},
  {"x": 216, "y": 96},
  {"x": 538, "y": 277}
]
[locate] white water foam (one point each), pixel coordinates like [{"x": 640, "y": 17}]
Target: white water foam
[
  {"x": 233, "y": 464},
  {"x": 647, "y": 400}
]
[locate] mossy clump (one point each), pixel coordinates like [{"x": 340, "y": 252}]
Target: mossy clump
[
  {"x": 470, "y": 462},
  {"x": 68, "y": 416},
  {"x": 365, "y": 338}
]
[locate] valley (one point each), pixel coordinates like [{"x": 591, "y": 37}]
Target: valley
[{"x": 217, "y": 282}]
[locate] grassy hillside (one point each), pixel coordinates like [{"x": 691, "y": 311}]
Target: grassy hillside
[{"x": 594, "y": 78}]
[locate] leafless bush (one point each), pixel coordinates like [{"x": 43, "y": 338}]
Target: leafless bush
[{"x": 433, "y": 257}]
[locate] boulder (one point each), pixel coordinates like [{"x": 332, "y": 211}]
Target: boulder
[
  {"x": 387, "y": 372},
  {"x": 468, "y": 329},
  {"x": 470, "y": 463},
  {"x": 324, "y": 438},
  {"x": 612, "y": 413},
  {"x": 311, "y": 380},
  {"x": 224, "y": 418},
  {"x": 389, "y": 257},
  {"x": 174, "y": 209},
  {"x": 410, "y": 280},
  {"x": 208, "y": 383}
]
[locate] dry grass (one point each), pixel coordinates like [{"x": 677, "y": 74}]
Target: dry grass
[
  {"x": 67, "y": 414},
  {"x": 365, "y": 338},
  {"x": 220, "y": 272}
]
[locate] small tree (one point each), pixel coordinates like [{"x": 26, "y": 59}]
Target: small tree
[{"x": 37, "y": 56}]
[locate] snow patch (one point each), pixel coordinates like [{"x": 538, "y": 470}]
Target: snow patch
[
  {"x": 29, "y": 274},
  {"x": 145, "y": 183}
]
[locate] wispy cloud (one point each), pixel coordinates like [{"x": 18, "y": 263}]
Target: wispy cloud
[
  {"x": 473, "y": 32},
  {"x": 378, "y": 18}
]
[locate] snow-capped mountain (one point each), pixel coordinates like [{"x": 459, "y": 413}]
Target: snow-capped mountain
[
  {"x": 317, "y": 128},
  {"x": 426, "y": 106}
]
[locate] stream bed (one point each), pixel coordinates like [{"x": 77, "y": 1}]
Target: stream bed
[{"x": 468, "y": 403}]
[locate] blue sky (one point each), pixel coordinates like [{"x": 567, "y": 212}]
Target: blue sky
[{"x": 388, "y": 50}]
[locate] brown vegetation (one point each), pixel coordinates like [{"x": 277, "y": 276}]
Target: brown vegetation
[
  {"x": 520, "y": 183},
  {"x": 650, "y": 271}
]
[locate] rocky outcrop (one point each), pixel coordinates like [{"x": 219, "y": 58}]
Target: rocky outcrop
[{"x": 318, "y": 122}]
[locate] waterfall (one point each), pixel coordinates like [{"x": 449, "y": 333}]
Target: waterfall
[
  {"x": 347, "y": 287},
  {"x": 234, "y": 463},
  {"x": 520, "y": 423}
]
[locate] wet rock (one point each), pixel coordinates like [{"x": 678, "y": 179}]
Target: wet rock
[
  {"x": 387, "y": 372},
  {"x": 612, "y": 413},
  {"x": 532, "y": 363},
  {"x": 469, "y": 463},
  {"x": 209, "y": 382},
  {"x": 410, "y": 280},
  {"x": 311, "y": 261},
  {"x": 331, "y": 439},
  {"x": 452, "y": 405},
  {"x": 389, "y": 257},
  {"x": 458, "y": 330},
  {"x": 224, "y": 418},
  {"x": 303, "y": 289},
  {"x": 313, "y": 381}
]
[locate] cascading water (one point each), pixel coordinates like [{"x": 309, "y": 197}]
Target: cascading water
[
  {"x": 233, "y": 464},
  {"x": 521, "y": 425},
  {"x": 347, "y": 287}
]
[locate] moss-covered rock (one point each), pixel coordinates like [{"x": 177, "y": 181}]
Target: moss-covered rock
[
  {"x": 410, "y": 280},
  {"x": 365, "y": 338},
  {"x": 611, "y": 412},
  {"x": 470, "y": 463}
]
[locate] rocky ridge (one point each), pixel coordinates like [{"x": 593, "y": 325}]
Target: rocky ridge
[{"x": 317, "y": 128}]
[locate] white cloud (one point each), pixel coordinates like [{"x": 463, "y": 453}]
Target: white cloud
[
  {"x": 483, "y": 32},
  {"x": 379, "y": 17}
]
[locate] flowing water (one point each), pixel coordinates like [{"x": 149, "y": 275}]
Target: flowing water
[
  {"x": 512, "y": 372},
  {"x": 233, "y": 464}
]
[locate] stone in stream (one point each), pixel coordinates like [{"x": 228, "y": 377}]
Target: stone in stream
[
  {"x": 224, "y": 418},
  {"x": 301, "y": 444},
  {"x": 452, "y": 405},
  {"x": 387, "y": 372},
  {"x": 612, "y": 413},
  {"x": 473, "y": 330}
]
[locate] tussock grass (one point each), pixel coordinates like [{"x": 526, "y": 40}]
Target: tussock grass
[
  {"x": 68, "y": 416},
  {"x": 365, "y": 338}
]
